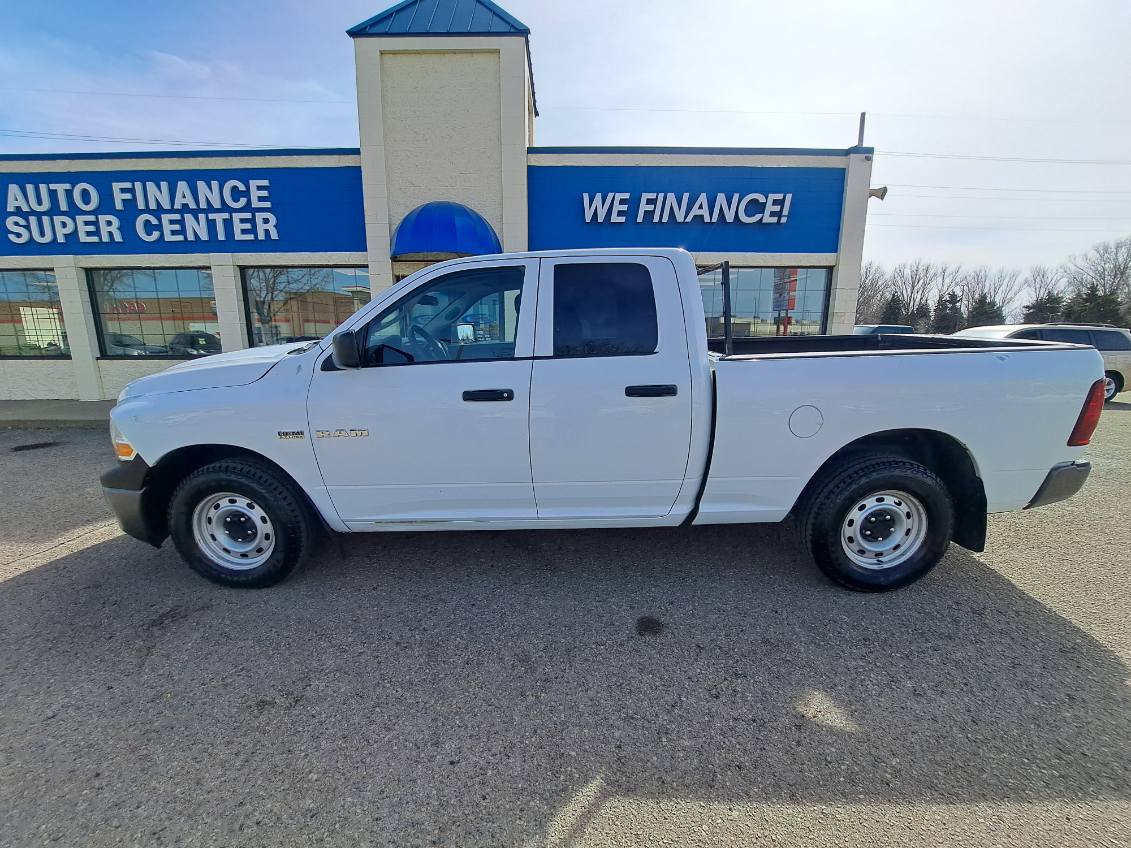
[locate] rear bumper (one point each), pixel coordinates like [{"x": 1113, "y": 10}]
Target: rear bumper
[
  {"x": 1063, "y": 481},
  {"x": 124, "y": 488}
]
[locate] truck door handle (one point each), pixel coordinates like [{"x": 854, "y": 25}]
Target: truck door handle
[
  {"x": 482, "y": 395},
  {"x": 666, "y": 390}
]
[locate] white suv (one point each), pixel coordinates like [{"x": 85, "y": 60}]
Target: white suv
[{"x": 1113, "y": 343}]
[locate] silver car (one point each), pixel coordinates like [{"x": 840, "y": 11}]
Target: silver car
[{"x": 1113, "y": 343}]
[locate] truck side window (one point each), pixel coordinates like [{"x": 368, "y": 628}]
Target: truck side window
[
  {"x": 604, "y": 309},
  {"x": 463, "y": 316}
]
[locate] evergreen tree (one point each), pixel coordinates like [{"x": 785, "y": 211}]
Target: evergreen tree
[
  {"x": 893, "y": 310},
  {"x": 984, "y": 312},
  {"x": 920, "y": 318},
  {"x": 1043, "y": 309},
  {"x": 947, "y": 317},
  {"x": 1088, "y": 306}
]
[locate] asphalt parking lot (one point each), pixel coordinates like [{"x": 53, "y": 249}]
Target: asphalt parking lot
[{"x": 491, "y": 689}]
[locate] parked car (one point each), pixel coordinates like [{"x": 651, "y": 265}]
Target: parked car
[
  {"x": 872, "y": 329},
  {"x": 606, "y": 407},
  {"x": 1113, "y": 343},
  {"x": 123, "y": 344},
  {"x": 194, "y": 344}
]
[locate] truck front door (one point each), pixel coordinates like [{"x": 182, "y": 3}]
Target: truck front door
[
  {"x": 434, "y": 425},
  {"x": 610, "y": 412}
]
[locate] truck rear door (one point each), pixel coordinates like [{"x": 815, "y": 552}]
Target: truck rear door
[{"x": 610, "y": 395}]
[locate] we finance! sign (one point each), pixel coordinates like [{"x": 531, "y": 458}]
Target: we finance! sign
[
  {"x": 198, "y": 211},
  {"x": 700, "y": 208}
]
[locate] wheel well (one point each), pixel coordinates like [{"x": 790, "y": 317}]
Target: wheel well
[
  {"x": 163, "y": 478},
  {"x": 944, "y": 455}
]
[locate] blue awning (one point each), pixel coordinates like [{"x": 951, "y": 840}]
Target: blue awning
[{"x": 442, "y": 229}]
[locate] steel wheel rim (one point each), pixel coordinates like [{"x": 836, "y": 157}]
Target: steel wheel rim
[
  {"x": 233, "y": 531},
  {"x": 883, "y": 529},
  {"x": 1109, "y": 388}
]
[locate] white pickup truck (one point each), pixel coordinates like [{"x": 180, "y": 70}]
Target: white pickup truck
[{"x": 573, "y": 389}]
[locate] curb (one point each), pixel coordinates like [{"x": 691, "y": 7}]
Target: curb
[{"x": 54, "y": 424}]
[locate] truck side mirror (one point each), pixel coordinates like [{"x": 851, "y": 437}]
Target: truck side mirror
[{"x": 346, "y": 351}]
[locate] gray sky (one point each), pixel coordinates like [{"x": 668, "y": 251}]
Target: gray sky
[{"x": 1005, "y": 81}]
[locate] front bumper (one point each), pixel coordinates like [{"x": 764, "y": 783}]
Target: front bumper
[
  {"x": 1063, "y": 481},
  {"x": 124, "y": 487}
]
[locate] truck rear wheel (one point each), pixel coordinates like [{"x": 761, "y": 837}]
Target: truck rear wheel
[
  {"x": 878, "y": 523},
  {"x": 239, "y": 523}
]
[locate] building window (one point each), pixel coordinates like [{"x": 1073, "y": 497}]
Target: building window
[
  {"x": 155, "y": 311},
  {"x": 301, "y": 304},
  {"x": 768, "y": 301},
  {"x": 31, "y": 320}
]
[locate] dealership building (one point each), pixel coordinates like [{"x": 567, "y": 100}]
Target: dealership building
[{"x": 112, "y": 265}]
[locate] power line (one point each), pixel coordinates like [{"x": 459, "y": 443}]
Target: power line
[
  {"x": 1015, "y": 229},
  {"x": 123, "y": 140},
  {"x": 176, "y": 96},
  {"x": 1002, "y": 188},
  {"x": 1024, "y": 159},
  {"x": 992, "y": 198},
  {"x": 1042, "y": 119},
  {"x": 820, "y": 114},
  {"x": 999, "y": 217}
]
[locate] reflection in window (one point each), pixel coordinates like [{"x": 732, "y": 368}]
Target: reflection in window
[
  {"x": 465, "y": 315},
  {"x": 31, "y": 320},
  {"x": 155, "y": 311},
  {"x": 768, "y": 301},
  {"x": 301, "y": 304}
]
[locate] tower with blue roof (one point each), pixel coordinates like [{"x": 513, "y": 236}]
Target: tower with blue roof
[{"x": 446, "y": 111}]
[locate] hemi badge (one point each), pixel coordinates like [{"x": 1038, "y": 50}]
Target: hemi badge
[{"x": 292, "y": 434}]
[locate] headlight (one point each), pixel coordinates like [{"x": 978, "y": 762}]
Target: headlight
[{"x": 122, "y": 446}]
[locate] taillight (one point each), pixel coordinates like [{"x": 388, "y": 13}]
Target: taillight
[{"x": 1089, "y": 416}]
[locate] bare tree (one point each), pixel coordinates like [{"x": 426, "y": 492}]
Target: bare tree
[
  {"x": 271, "y": 290},
  {"x": 915, "y": 283},
  {"x": 1001, "y": 286},
  {"x": 1043, "y": 280},
  {"x": 872, "y": 294},
  {"x": 1107, "y": 265}
]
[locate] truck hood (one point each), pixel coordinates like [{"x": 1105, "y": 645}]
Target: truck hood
[{"x": 221, "y": 370}]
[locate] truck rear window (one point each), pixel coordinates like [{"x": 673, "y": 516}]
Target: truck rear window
[{"x": 603, "y": 309}]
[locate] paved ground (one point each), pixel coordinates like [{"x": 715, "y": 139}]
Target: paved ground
[{"x": 491, "y": 689}]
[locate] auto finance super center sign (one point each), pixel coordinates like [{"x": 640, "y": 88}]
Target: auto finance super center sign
[
  {"x": 195, "y": 211},
  {"x": 701, "y": 208}
]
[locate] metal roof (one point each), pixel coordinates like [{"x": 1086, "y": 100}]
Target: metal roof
[{"x": 441, "y": 17}]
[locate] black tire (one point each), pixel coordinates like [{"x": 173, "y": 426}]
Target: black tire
[
  {"x": 843, "y": 491},
  {"x": 273, "y": 494},
  {"x": 1117, "y": 382}
]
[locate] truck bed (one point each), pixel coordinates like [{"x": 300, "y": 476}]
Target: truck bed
[{"x": 765, "y": 345}]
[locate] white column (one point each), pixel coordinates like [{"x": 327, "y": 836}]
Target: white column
[
  {"x": 230, "y": 313},
  {"x": 850, "y": 252},
  {"x": 514, "y": 96},
  {"x": 78, "y": 320},
  {"x": 374, "y": 185}
]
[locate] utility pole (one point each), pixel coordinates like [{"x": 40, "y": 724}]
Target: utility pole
[{"x": 860, "y": 134}]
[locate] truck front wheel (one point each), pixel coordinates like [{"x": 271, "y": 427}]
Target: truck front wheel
[
  {"x": 239, "y": 523},
  {"x": 878, "y": 523}
]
